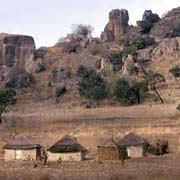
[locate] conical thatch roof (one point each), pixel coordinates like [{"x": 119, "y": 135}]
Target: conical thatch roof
[
  {"x": 108, "y": 143},
  {"x": 67, "y": 144},
  {"x": 22, "y": 143},
  {"x": 131, "y": 140}
]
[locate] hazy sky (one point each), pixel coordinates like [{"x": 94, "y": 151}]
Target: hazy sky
[{"x": 48, "y": 20}]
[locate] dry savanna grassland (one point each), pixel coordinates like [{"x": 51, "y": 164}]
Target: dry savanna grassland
[{"x": 47, "y": 123}]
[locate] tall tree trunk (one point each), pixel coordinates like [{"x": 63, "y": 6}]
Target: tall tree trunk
[{"x": 157, "y": 93}]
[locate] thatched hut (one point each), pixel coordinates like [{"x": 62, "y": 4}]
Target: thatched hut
[
  {"x": 108, "y": 150},
  {"x": 22, "y": 148},
  {"x": 134, "y": 144},
  {"x": 66, "y": 149}
]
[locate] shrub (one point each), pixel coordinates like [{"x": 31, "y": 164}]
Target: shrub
[
  {"x": 175, "y": 71},
  {"x": 134, "y": 44},
  {"x": 115, "y": 58},
  {"x": 60, "y": 91},
  {"x": 178, "y": 107},
  {"x": 91, "y": 85}
]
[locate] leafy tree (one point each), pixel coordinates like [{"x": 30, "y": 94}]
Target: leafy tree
[
  {"x": 127, "y": 94},
  {"x": 153, "y": 79},
  {"x": 7, "y": 97},
  {"x": 139, "y": 90},
  {"x": 91, "y": 85},
  {"x": 121, "y": 91}
]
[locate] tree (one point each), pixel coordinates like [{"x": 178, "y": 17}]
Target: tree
[
  {"x": 130, "y": 94},
  {"x": 153, "y": 79},
  {"x": 91, "y": 85},
  {"x": 121, "y": 91},
  {"x": 139, "y": 90},
  {"x": 7, "y": 97},
  {"x": 82, "y": 31}
]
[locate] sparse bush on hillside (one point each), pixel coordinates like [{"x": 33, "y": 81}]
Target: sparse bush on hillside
[
  {"x": 178, "y": 107},
  {"x": 115, "y": 58},
  {"x": 60, "y": 91},
  {"x": 134, "y": 44},
  {"x": 91, "y": 85},
  {"x": 175, "y": 71}
]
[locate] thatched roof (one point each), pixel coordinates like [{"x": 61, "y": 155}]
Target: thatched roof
[
  {"x": 22, "y": 143},
  {"x": 108, "y": 143},
  {"x": 67, "y": 144},
  {"x": 132, "y": 140}
]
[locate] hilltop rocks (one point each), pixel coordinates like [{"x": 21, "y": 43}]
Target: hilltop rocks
[
  {"x": 168, "y": 26},
  {"x": 15, "y": 50},
  {"x": 16, "y": 78},
  {"x": 117, "y": 25},
  {"x": 147, "y": 22}
]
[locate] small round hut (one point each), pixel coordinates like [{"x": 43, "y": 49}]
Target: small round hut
[
  {"x": 22, "y": 148},
  {"x": 134, "y": 144},
  {"x": 67, "y": 149},
  {"x": 108, "y": 150}
]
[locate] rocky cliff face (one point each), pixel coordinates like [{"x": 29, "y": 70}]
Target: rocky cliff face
[
  {"x": 117, "y": 25},
  {"x": 168, "y": 26},
  {"x": 15, "y": 50}
]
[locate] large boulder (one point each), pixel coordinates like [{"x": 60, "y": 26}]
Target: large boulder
[
  {"x": 168, "y": 26},
  {"x": 117, "y": 25},
  {"x": 15, "y": 50},
  {"x": 16, "y": 78}
]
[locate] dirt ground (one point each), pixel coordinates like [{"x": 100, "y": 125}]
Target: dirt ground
[
  {"x": 47, "y": 123},
  {"x": 148, "y": 168}
]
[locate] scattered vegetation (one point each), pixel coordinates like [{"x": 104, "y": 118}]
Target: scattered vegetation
[
  {"x": 175, "y": 70},
  {"x": 115, "y": 58},
  {"x": 91, "y": 85},
  {"x": 134, "y": 44},
  {"x": 60, "y": 91},
  {"x": 7, "y": 97}
]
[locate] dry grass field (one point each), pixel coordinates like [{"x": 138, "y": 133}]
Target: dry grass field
[{"x": 47, "y": 123}]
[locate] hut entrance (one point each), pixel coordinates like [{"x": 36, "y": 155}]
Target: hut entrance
[{"x": 18, "y": 154}]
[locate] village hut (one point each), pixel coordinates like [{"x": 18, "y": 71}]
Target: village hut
[
  {"x": 108, "y": 150},
  {"x": 22, "y": 148},
  {"x": 134, "y": 144},
  {"x": 66, "y": 149}
]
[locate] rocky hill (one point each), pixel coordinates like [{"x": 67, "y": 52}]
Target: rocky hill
[{"x": 36, "y": 73}]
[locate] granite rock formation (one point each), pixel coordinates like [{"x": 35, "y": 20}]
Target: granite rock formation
[
  {"x": 117, "y": 25},
  {"x": 15, "y": 50}
]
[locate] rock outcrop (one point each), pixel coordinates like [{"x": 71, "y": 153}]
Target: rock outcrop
[
  {"x": 168, "y": 26},
  {"x": 16, "y": 78},
  {"x": 15, "y": 50},
  {"x": 147, "y": 22},
  {"x": 117, "y": 25}
]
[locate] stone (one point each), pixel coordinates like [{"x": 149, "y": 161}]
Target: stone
[
  {"x": 16, "y": 78},
  {"x": 59, "y": 75},
  {"x": 168, "y": 26},
  {"x": 35, "y": 65},
  {"x": 15, "y": 50},
  {"x": 144, "y": 55},
  {"x": 117, "y": 25}
]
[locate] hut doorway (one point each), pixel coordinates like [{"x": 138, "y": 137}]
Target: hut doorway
[{"x": 18, "y": 154}]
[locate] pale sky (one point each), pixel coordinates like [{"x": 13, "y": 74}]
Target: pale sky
[{"x": 48, "y": 20}]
